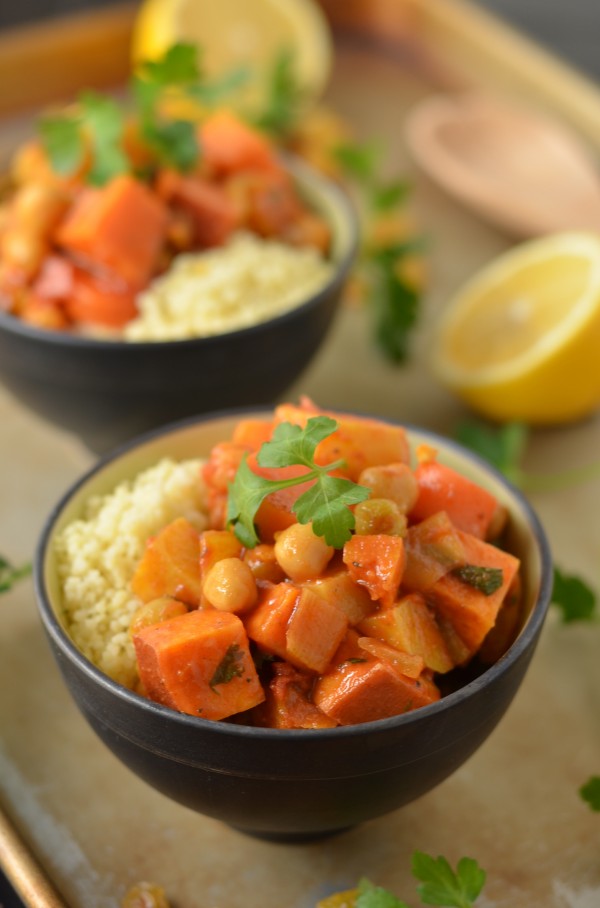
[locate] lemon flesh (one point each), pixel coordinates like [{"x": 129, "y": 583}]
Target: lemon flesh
[
  {"x": 240, "y": 33},
  {"x": 521, "y": 341}
]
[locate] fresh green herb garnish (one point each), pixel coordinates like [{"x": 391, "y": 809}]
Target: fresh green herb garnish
[
  {"x": 485, "y": 579},
  {"x": 371, "y": 896},
  {"x": 395, "y": 300},
  {"x": 440, "y": 885},
  {"x": 325, "y": 503},
  {"x": 285, "y": 97},
  {"x": 9, "y": 574},
  {"x": 590, "y": 792},
  {"x": 574, "y": 598},
  {"x": 228, "y": 668}
]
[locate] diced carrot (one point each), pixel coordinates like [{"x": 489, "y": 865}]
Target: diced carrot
[
  {"x": 230, "y": 145},
  {"x": 406, "y": 663},
  {"x": 119, "y": 227},
  {"x": 95, "y": 302},
  {"x": 357, "y": 692},
  {"x": 288, "y": 704},
  {"x": 469, "y": 506},
  {"x": 213, "y": 215},
  {"x": 338, "y": 588},
  {"x": 199, "y": 663},
  {"x": 410, "y": 625},
  {"x": 460, "y": 653},
  {"x": 433, "y": 547},
  {"x": 263, "y": 564},
  {"x": 377, "y": 563},
  {"x": 315, "y": 630},
  {"x": 360, "y": 442},
  {"x": 252, "y": 433},
  {"x": 217, "y": 472},
  {"x": 55, "y": 278},
  {"x": 170, "y": 565},
  {"x": 471, "y": 612},
  {"x": 267, "y": 624}
]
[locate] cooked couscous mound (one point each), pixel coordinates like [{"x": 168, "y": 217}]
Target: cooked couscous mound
[{"x": 98, "y": 553}]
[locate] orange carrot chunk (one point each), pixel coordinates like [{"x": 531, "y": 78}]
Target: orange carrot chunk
[
  {"x": 469, "y": 506},
  {"x": 472, "y": 611},
  {"x": 230, "y": 145},
  {"x": 288, "y": 703},
  {"x": 95, "y": 302},
  {"x": 252, "y": 433},
  {"x": 377, "y": 563},
  {"x": 357, "y": 692},
  {"x": 170, "y": 565},
  {"x": 103, "y": 229},
  {"x": 267, "y": 624},
  {"x": 212, "y": 214},
  {"x": 199, "y": 663}
]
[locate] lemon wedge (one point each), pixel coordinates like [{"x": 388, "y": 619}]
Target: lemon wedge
[
  {"x": 240, "y": 33},
  {"x": 521, "y": 340}
]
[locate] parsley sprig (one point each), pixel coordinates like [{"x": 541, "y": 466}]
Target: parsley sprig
[
  {"x": 590, "y": 793},
  {"x": 438, "y": 885},
  {"x": 284, "y": 97},
  {"x": 11, "y": 574},
  {"x": 325, "y": 503}
]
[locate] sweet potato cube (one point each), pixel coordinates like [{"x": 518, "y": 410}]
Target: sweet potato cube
[
  {"x": 469, "y": 506},
  {"x": 170, "y": 565},
  {"x": 377, "y": 563},
  {"x": 357, "y": 692},
  {"x": 199, "y": 663},
  {"x": 471, "y": 612},
  {"x": 409, "y": 625},
  {"x": 267, "y": 624},
  {"x": 338, "y": 588},
  {"x": 119, "y": 227},
  {"x": 359, "y": 441},
  {"x": 315, "y": 630},
  {"x": 288, "y": 704},
  {"x": 252, "y": 433},
  {"x": 406, "y": 663}
]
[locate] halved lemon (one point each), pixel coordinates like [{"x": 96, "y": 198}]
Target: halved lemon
[
  {"x": 521, "y": 340},
  {"x": 235, "y": 33}
]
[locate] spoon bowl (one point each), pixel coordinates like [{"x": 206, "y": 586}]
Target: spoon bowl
[{"x": 525, "y": 172}]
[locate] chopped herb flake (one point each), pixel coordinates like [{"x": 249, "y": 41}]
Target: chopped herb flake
[
  {"x": 230, "y": 667},
  {"x": 485, "y": 579}
]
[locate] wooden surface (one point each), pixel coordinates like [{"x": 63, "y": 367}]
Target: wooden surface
[{"x": 514, "y": 806}]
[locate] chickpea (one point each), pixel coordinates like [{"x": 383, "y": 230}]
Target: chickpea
[
  {"x": 262, "y": 562},
  {"x": 302, "y": 554},
  {"x": 230, "y": 586},
  {"x": 379, "y": 515},
  {"x": 395, "y": 481},
  {"x": 155, "y": 612}
]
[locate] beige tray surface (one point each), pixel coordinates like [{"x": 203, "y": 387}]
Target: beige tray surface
[{"x": 514, "y": 806}]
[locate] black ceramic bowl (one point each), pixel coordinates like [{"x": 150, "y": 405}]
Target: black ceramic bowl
[
  {"x": 280, "y": 784},
  {"x": 109, "y": 391}
]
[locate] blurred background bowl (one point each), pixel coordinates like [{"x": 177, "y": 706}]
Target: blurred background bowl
[
  {"x": 292, "y": 785},
  {"x": 109, "y": 391}
]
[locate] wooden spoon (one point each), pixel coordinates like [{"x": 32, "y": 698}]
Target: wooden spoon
[{"x": 521, "y": 170}]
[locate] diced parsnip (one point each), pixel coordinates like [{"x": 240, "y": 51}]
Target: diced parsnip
[
  {"x": 410, "y": 625},
  {"x": 394, "y": 481},
  {"x": 470, "y": 507},
  {"x": 229, "y": 586},
  {"x": 288, "y": 703},
  {"x": 301, "y": 553},
  {"x": 460, "y": 653},
  {"x": 377, "y": 563},
  {"x": 357, "y": 692},
  {"x": 102, "y": 229},
  {"x": 469, "y": 610},
  {"x": 315, "y": 630},
  {"x": 406, "y": 663},
  {"x": 433, "y": 547},
  {"x": 339, "y": 589},
  {"x": 199, "y": 663},
  {"x": 170, "y": 565},
  {"x": 359, "y": 441},
  {"x": 155, "y": 612},
  {"x": 267, "y": 624}
]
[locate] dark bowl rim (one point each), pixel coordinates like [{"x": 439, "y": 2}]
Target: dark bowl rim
[
  {"x": 527, "y": 637},
  {"x": 13, "y": 325}
]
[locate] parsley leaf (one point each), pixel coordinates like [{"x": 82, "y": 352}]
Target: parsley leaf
[
  {"x": 371, "y": 896},
  {"x": 103, "y": 122},
  {"x": 485, "y": 579},
  {"x": 590, "y": 792},
  {"x": 325, "y": 503},
  {"x": 576, "y": 601},
  {"x": 10, "y": 575},
  {"x": 228, "y": 668},
  {"x": 440, "y": 885},
  {"x": 284, "y": 96},
  {"x": 63, "y": 141}
]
